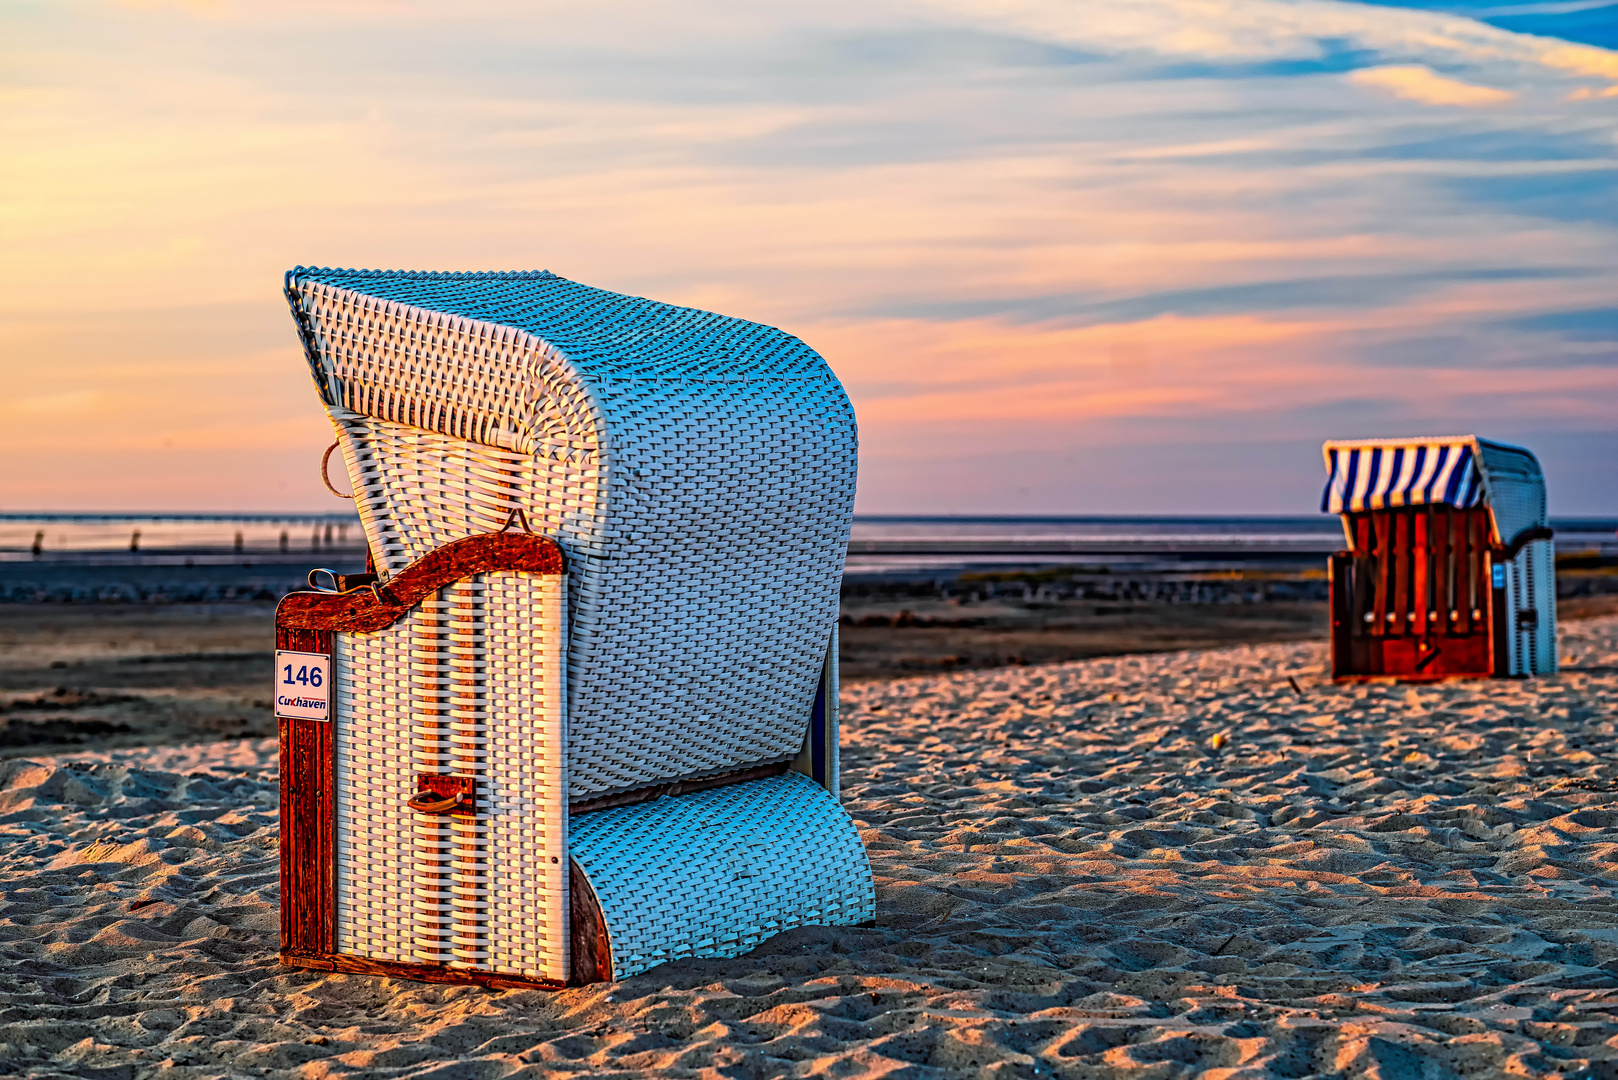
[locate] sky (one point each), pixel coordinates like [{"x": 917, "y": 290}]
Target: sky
[{"x": 1067, "y": 256}]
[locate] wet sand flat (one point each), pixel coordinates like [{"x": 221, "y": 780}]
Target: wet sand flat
[
  {"x": 116, "y": 675},
  {"x": 112, "y": 675},
  {"x": 902, "y": 638},
  {"x": 1144, "y": 866}
]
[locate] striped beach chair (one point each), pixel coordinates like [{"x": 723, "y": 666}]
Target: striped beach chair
[
  {"x": 1450, "y": 566},
  {"x": 580, "y": 716}
]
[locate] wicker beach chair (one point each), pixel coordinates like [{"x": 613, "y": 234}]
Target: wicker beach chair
[
  {"x": 1450, "y": 566},
  {"x": 584, "y": 718}
]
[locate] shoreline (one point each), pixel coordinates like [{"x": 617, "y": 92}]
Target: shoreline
[{"x": 106, "y": 675}]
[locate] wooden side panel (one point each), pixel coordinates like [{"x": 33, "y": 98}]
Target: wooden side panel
[
  {"x": 1421, "y": 575},
  {"x": 1444, "y": 658},
  {"x": 308, "y": 821},
  {"x": 591, "y": 947},
  {"x": 1340, "y": 602}
]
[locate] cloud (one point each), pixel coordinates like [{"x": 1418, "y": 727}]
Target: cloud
[
  {"x": 1587, "y": 324},
  {"x": 1582, "y": 60},
  {"x": 1271, "y": 295},
  {"x": 1413, "y": 82},
  {"x": 1257, "y": 30},
  {"x": 1028, "y": 225}
]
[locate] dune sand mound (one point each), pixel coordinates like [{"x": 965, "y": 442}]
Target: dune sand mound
[{"x": 1175, "y": 865}]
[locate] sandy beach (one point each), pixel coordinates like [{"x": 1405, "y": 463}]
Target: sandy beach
[{"x": 1145, "y": 866}]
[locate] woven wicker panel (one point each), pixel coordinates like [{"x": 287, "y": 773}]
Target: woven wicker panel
[
  {"x": 527, "y": 775},
  {"x": 716, "y": 872},
  {"x": 1531, "y": 586},
  {"x": 697, "y": 470},
  {"x": 1515, "y": 487},
  {"x": 468, "y": 684},
  {"x": 478, "y": 317},
  {"x": 373, "y": 715}
]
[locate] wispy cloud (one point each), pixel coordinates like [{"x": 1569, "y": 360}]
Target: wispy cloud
[
  {"x": 1416, "y": 83},
  {"x": 1030, "y": 226},
  {"x": 1250, "y": 30}
]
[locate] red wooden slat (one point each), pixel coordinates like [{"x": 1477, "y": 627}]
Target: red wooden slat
[
  {"x": 1384, "y": 565},
  {"x": 1461, "y": 609},
  {"x": 1420, "y": 586},
  {"x": 1338, "y": 602},
  {"x": 1443, "y": 577},
  {"x": 1364, "y": 575},
  {"x": 308, "y": 820},
  {"x": 1399, "y": 528}
]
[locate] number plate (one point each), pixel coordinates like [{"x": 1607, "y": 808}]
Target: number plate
[{"x": 302, "y": 685}]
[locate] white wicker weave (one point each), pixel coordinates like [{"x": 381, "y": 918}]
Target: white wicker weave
[
  {"x": 1530, "y": 585},
  {"x": 717, "y": 872},
  {"x": 469, "y": 684},
  {"x": 697, "y": 470}
]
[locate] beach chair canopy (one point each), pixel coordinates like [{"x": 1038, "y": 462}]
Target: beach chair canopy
[
  {"x": 1459, "y": 471},
  {"x": 697, "y": 471}
]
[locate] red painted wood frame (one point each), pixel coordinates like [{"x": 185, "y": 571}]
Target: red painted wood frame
[
  {"x": 305, "y": 621},
  {"x": 1413, "y": 598}
]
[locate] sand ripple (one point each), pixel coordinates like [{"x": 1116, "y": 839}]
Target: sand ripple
[{"x": 1146, "y": 866}]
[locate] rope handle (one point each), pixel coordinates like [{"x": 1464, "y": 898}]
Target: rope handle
[
  {"x": 324, "y": 479},
  {"x": 430, "y": 802}
]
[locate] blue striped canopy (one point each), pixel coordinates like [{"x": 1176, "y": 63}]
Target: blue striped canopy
[{"x": 1379, "y": 477}]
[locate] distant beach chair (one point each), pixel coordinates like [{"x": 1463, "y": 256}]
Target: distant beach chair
[
  {"x": 580, "y": 716},
  {"x": 1450, "y": 567}
]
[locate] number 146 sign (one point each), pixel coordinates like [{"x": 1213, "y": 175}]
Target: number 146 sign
[{"x": 302, "y": 685}]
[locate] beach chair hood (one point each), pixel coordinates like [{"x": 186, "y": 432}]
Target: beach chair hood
[
  {"x": 1460, "y": 471},
  {"x": 697, "y": 470}
]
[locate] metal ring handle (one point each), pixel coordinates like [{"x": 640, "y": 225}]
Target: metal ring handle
[
  {"x": 324, "y": 479},
  {"x": 430, "y": 802},
  {"x": 315, "y": 585}
]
